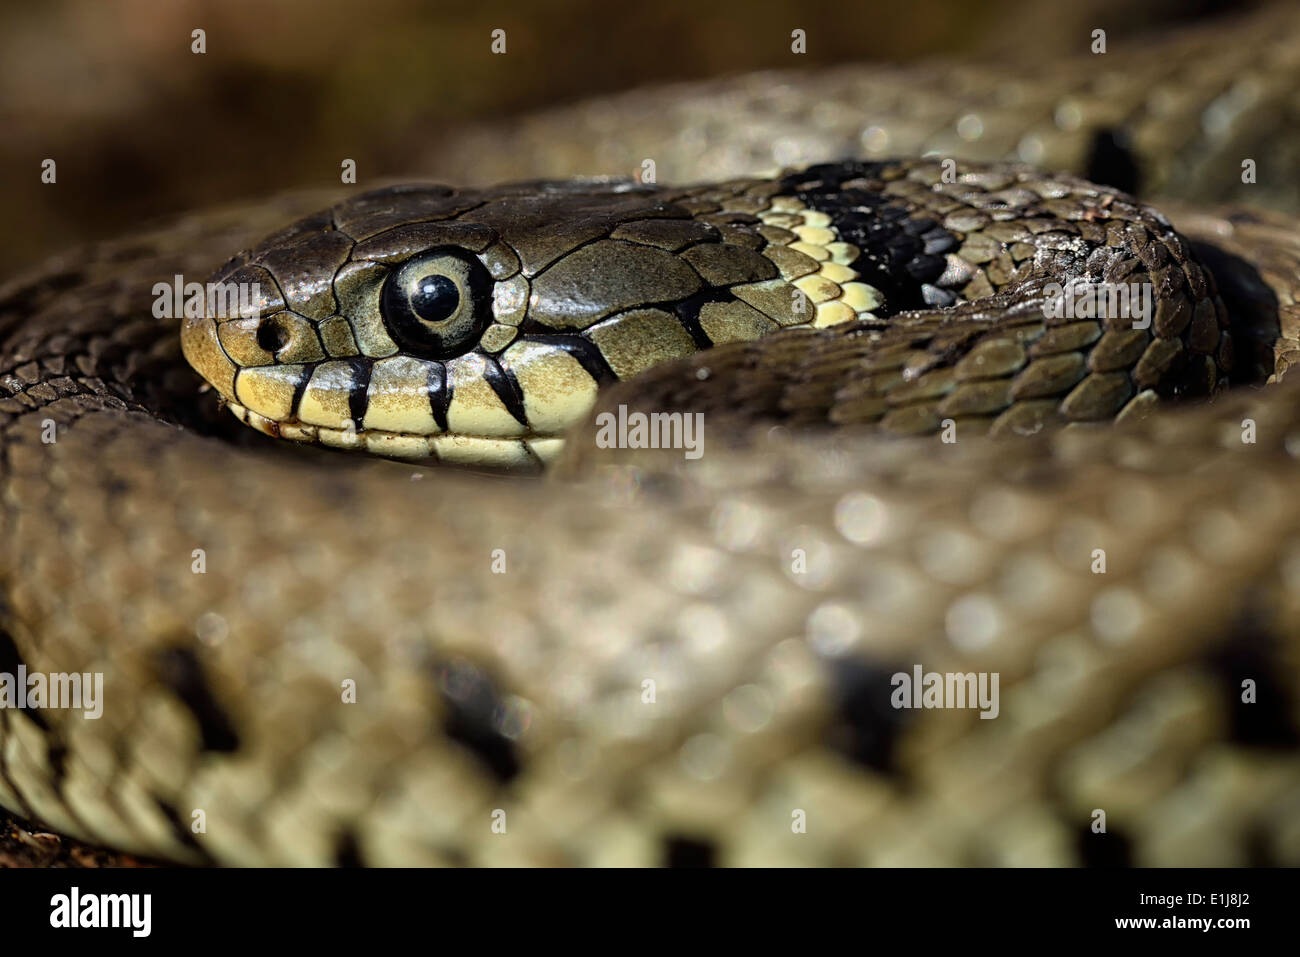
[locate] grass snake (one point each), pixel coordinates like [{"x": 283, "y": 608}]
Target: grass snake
[{"x": 909, "y": 460}]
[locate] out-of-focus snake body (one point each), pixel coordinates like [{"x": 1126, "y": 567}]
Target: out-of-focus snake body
[{"x": 312, "y": 658}]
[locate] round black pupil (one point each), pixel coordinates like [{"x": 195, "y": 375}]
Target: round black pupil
[{"x": 434, "y": 298}]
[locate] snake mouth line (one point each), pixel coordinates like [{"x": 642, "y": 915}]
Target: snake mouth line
[{"x": 516, "y": 452}]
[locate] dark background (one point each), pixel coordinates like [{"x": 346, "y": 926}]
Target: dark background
[{"x": 141, "y": 127}]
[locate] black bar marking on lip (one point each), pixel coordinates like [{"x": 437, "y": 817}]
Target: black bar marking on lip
[
  {"x": 506, "y": 386},
  {"x": 361, "y": 369},
  {"x": 299, "y": 390},
  {"x": 182, "y": 672},
  {"x": 439, "y": 389},
  {"x": 584, "y": 352}
]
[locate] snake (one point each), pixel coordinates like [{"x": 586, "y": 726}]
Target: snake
[{"x": 510, "y": 635}]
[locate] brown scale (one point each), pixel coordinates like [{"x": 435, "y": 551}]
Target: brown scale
[{"x": 522, "y": 692}]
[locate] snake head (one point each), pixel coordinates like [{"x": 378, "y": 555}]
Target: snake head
[{"x": 475, "y": 326}]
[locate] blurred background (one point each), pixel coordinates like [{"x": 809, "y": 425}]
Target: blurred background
[{"x": 140, "y": 127}]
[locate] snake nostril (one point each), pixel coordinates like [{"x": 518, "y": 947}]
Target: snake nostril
[{"x": 272, "y": 336}]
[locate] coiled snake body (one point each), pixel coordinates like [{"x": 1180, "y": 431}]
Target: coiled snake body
[{"x": 312, "y": 658}]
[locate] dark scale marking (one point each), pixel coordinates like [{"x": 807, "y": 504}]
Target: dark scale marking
[
  {"x": 347, "y": 851},
  {"x": 180, "y": 830},
  {"x": 116, "y": 487},
  {"x": 1253, "y": 652},
  {"x": 357, "y": 396},
  {"x": 1109, "y": 849},
  {"x": 1251, "y": 302},
  {"x": 938, "y": 241},
  {"x": 688, "y": 852},
  {"x": 56, "y": 754},
  {"x": 1111, "y": 163},
  {"x": 1259, "y": 846},
  {"x": 507, "y": 389},
  {"x": 474, "y": 708},
  {"x": 586, "y": 353},
  {"x": 439, "y": 394},
  {"x": 688, "y": 313},
  {"x": 10, "y": 662},
  {"x": 182, "y": 672},
  {"x": 920, "y": 227},
  {"x": 867, "y": 725},
  {"x": 828, "y": 176},
  {"x": 455, "y": 857},
  {"x": 901, "y": 253}
]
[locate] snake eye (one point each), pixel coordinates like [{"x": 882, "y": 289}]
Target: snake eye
[
  {"x": 435, "y": 298},
  {"x": 435, "y": 305}
]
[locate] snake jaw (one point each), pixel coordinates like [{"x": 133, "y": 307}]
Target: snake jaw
[{"x": 522, "y": 455}]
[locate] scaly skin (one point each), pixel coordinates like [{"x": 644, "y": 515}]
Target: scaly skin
[{"x": 501, "y": 632}]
